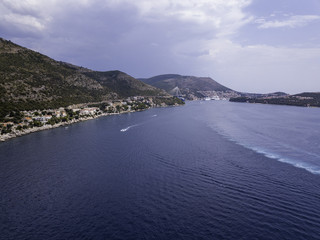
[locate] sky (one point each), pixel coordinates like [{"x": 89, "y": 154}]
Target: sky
[{"x": 247, "y": 45}]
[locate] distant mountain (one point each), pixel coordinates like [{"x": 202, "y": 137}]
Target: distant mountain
[
  {"x": 308, "y": 99},
  {"x": 313, "y": 95},
  {"x": 188, "y": 86},
  {"x": 30, "y": 80},
  {"x": 263, "y": 95}
]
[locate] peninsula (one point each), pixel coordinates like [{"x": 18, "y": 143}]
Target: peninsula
[{"x": 307, "y": 99}]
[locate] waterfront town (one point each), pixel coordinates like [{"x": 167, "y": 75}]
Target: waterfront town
[{"x": 19, "y": 123}]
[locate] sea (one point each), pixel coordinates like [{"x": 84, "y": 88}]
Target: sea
[{"x": 206, "y": 170}]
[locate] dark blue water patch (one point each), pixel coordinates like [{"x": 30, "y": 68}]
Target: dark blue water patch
[{"x": 171, "y": 176}]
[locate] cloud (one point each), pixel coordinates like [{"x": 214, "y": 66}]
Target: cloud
[
  {"x": 22, "y": 18},
  {"x": 292, "y": 22},
  {"x": 224, "y": 16},
  {"x": 24, "y": 21},
  {"x": 149, "y": 37},
  {"x": 264, "y": 68},
  {"x": 176, "y": 27}
]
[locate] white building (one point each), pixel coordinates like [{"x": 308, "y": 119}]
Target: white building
[
  {"x": 43, "y": 119},
  {"x": 88, "y": 111}
]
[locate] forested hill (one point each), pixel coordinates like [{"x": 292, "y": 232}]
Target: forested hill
[
  {"x": 307, "y": 99},
  {"x": 30, "y": 80}
]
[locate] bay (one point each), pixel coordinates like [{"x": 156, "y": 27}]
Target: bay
[{"x": 207, "y": 170}]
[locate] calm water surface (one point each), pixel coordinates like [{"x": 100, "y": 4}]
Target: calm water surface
[{"x": 208, "y": 170}]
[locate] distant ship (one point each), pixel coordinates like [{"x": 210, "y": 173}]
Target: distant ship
[
  {"x": 215, "y": 98},
  {"x": 212, "y": 98}
]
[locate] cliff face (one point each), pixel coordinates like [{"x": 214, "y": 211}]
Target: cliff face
[{"x": 30, "y": 80}]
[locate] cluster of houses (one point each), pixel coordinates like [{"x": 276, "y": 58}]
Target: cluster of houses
[
  {"x": 44, "y": 116},
  {"x": 58, "y": 113},
  {"x": 218, "y": 95},
  {"x": 21, "y": 123},
  {"x": 74, "y": 113}
]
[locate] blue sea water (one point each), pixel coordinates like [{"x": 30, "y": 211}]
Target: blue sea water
[{"x": 207, "y": 170}]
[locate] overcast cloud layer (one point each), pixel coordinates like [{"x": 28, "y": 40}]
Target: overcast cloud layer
[{"x": 247, "y": 45}]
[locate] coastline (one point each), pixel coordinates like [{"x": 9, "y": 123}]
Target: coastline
[
  {"x": 8, "y": 136},
  {"x": 298, "y": 100}
]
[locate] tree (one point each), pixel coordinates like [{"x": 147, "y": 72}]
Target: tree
[{"x": 37, "y": 123}]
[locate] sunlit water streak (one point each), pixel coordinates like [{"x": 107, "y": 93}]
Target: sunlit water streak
[{"x": 288, "y": 134}]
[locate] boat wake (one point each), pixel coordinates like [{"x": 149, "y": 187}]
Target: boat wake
[
  {"x": 127, "y": 128},
  {"x": 135, "y": 125}
]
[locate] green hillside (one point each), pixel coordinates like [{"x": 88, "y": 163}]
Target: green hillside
[
  {"x": 307, "y": 99},
  {"x": 30, "y": 80}
]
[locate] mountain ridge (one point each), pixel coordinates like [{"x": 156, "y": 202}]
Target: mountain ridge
[
  {"x": 305, "y": 99},
  {"x": 31, "y": 80},
  {"x": 190, "y": 87}
]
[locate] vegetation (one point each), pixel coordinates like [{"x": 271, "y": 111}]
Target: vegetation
[
  {"x": 303, "y": 100},
  {"x": 36, "y": 90},
  {"x": 168, "y": 101},
  {"x": 17, "y": 122},
  {"x": 30, "y": 80}
]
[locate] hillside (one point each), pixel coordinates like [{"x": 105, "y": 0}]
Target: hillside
[
  {"x": 308, "y": 99},
  {"x": 30, "y": 80},
  {"x": 263, "y": 95},
  {"x": 188, "y": 86}
]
